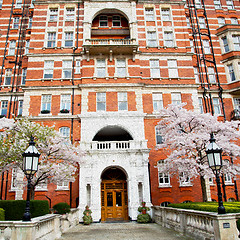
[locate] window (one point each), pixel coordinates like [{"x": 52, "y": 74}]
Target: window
[
  {"x": 217, "y": 4},
  {"x": 149, "y": 14},
  {"x": 65, "y": 132},
  {"x": 65, "y": 102},
  {"x": 168, "y": 39},
  {"x": 188, "y": 22},
  {"x": 216, "y": 106},
  {"x": 184, "y": 179},
  {"x": 165, "y": 12},
  {"x": 230, "y": 5},
  {"x": 18, "y": 4},
  {"x": 172, "y": 68},
  {"x": 159, "y": 138},
  {"x": 24, "y": 74},
  {"x": 30, "y": 22},
  {"x": 192, "y": 46},
  {"x": 211, "y": 75},
  {"x": 225, "y": 44},
  {"x": 164, "y": 179},
  {"x": 236, "y": 103},
  {"x": 8, "y": 76},
  {"x": 200, "y": 102},
  {"x": 122, "y": 101},
  {"x": 51, "y": 41},
  {"x": 231, "y": 72},
  {"x": 151, "y": 39},
  {"x": 234, "y": 20},
  {"x": 101, "y": 101},
  {"x": 202, "y": 23},
  {"x": 116, "y": 21},
  {"x": 78, "y": 66},
  {"x": 165, "y": 204},
  {"x": 68, "y": 39},
  {"x": 176, "y": 98},
  {"x": 196, "y": 74},
  {"x": 198, "y": 3},
  {"x": 67, "y": 69},
  {"x": 46, "y": 102},
  {"x": 227, "y": 178},
  {"x": 48, "y": 69},
  {"x": 1, "y": 2},
  {"x": 42, "y": 186},
  {"x": 53, "y": 14},
  {"x": 20, "y": 107},
  {"x": 14, "y": 185},
  {"x": 70, "y": 14},
  {"x": 4, "y": 108},
  {"x": 157, "y": 102},
  {"x": 12, "y": 47},
  {"x": 62, "y": 185},
  {"x": 221, "y": 21},
  {"x": 154, "y": 69},
  {"x": 101, "y": 68},
  {"x": 236, "y": 42},
  {"x": 206, "y": 47},
  {"x": 121, "y": 67},
  {"x": 103, "y": 21},
  {"x": 27, "y": 46}
]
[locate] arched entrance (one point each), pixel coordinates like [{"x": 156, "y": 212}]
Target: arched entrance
[{"x": 114, "y": 197}]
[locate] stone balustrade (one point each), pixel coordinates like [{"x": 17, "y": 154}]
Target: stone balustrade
[
  {"x": 109, "y": 42},
  {"x": 50, "y": 226},
  {"x": 113, "y": 145},
  {"x": 198, "y": 224}
]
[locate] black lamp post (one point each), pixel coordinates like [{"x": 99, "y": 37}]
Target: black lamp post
[
  {"x": 214, "y": 155},
  {"x": 30, "y": 167}
]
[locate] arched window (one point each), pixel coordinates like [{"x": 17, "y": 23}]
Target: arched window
[
  {"x": 65, "y": 132},
  {"x": 165, "y": 204}
]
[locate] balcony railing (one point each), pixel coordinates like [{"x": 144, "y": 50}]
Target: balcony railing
[
  {"x": 236, "y": 114},
  {"x": 110, "y": 42},
  {"x": 114, "y": 145}
]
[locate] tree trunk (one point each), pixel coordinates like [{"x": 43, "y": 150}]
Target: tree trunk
[
  {"x": 32, "y": 192},
  {"x": 204, "y": 189}
]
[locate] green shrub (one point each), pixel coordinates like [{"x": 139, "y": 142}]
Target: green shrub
[
  {"x": 143, "y": 218},
  {"x": 231, "y": 207},
  {"x": 14, "y": 209},
  {"x": 61, "y": 208},
  {"x": 2, "y": 217}
]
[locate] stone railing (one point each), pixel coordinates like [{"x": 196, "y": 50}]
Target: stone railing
[
  {"x": 198, "y": 224},
  {"x": 114, "y": 145},
  {"x": 107, "y": 42},
  {"x": 50, "y": 226}
]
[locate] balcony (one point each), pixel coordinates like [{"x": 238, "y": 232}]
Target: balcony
[
  {"x": 235, "y": 114},
  {"x": 110, "y": 46},
  {"x": 119, "y": 146}
]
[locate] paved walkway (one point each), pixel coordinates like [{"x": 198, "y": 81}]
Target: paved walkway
[{"x": 121, "y": 231}]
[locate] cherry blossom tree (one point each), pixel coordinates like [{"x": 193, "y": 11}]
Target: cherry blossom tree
[
  {"x": 186, "y": 135},
  {"x": 59, "y": 158}
]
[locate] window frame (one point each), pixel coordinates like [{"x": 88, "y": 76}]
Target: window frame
[
  {"x": 121, "y": 70},
  {"x": 4, "y": 107},
  {"x": 48, "y": 69},
  {"x": 114, "y": 21},
  {"x": 8, "y": 77},
  {"x": 100, "y": 100},
  {"x": 166, "y": 14},
  {"x": 20, "y": 107},
  {"x": 165, "y": 177},
  {"x": 65, "y": 132},
  {"x": 217, "y": 4},
  {"x": 27, "y": 45},
  {"x": 101, "y": 68},
  {"x": 184, "y": 180},
  {"x": 157, "y": 99},
  {"x": 230, "y": 4},
  {"x": 51, "y": 39},
  {"x": 149, "y": 15},
  {"x": 70, "y": 15},
  {"x": 168, "y": 41},
  {"x": 172, "y": 68},
  {"x": 122, "y": 101},
  {"x": 176, "y": 98},
  {"x": 236, "y": 42},
  {"x": 158, "y": 137},
  {"x": 12, "y": 47},
  {"x": 65, "y": 102},
  {"x": 216, "y": 106},
  {"x": 225, "y": 44},
  {"x": 152, "y": 39},
  {"x": 24, "y": 75},
  {"x": 154, "y": 68},
  {"x": 46, "y": 102},
  {"x": 66, "y": 69},
  {"x": 211, "y": 74},
  {"x": 103, "y": 21},
  {"x": 206, "y": 46},
  {"x": 221, "y": 21},
  {"x": 231, "y": 72},
  {"x": 53, "y": 14}
]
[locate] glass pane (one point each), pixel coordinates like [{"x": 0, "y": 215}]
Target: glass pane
[
  {"x": 118, "y": 199},
  {"x": 109, "y": 199}
]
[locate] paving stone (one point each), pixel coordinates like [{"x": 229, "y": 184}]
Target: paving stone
[{"x": 122, "y": 231}]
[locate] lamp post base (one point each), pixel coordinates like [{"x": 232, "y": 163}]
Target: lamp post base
[{"x": 27, "y": 214}]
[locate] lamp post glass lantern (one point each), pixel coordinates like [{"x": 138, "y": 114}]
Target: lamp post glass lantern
[
  {"x": 214, "y": 155},
  {"x": 30, "y": 167}
]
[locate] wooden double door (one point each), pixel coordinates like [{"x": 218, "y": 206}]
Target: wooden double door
[{"x": 114, "y": 200}]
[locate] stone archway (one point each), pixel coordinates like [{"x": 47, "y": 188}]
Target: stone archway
[{"x": 114, "y": 196}]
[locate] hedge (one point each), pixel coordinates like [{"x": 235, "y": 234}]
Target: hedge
[
  {"x": 61, "y": 208},
  {"x": 2, "y": 217},
  {"x": 231, "y": 207},
  {"x": 14, "y": 209}
]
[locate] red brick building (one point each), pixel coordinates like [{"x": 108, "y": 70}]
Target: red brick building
[{"x": 99, "y": 71}]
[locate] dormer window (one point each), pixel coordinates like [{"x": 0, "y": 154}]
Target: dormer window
[
  {"x": 116, "y": 21},
  {"x": 103, "y": 21}
]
